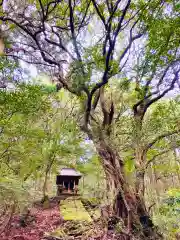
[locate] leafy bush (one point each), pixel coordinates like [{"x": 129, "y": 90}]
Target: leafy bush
[
  {"x": 13, "y": 193},
  {"x": 168, "y": 215}
]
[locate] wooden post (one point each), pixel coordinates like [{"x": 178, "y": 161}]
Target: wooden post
[
  {"x": 83, "y": 182},
  {"x": 69, "y": 187},
  {"x": 74, "y": 187}
]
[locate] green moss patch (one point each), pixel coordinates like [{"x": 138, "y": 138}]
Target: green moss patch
[
  {"x": 73, "y": 209},
  {"x": 92, "y": 207}
]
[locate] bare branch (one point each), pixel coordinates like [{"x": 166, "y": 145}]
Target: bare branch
[
  {"x": 171, "y": 87},
  {"x": 60, "y": 44},
  {"x": 151, "y": 206},
  {"x": 71, "y": 11},
  {"x": 96, "y": 99},
  {"x": 99, "y": 12},
  {"x": 108, "y": 55},
  {"x": 171, "y": 148},
  {"x": 157, "y": 155},
  {"x": 131, "y": 40},
  {"x": 113, "y": 10},
  {"x": 2, "y": 155},
  {"x": 122, "y": 18},
  {"x": 34, "y": 38},
  {"x": 73, "y": 31},
  {"x": 85, "y": 14},
  {"x": 160, "y": 137},
  {"x": 48, "y": 10},
  {"x": 65, "y": 85},
  {"x": 109, "y": 6},
  {"x": 42, "y": 10},
  {"x": 166, "y": 70},
  {"x": 146, "y": 102}
]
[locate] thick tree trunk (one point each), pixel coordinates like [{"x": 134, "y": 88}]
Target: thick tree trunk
[{"x": 128, "y": 205}]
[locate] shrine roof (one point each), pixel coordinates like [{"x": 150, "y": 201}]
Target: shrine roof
[{"x": 69, "y": 172}]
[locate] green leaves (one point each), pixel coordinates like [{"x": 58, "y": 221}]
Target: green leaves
[
  {"x": 163, "y": 34},
  {"x": 36, "y": 128},
  {"x": 177, "y": 7},
  {"x": 129, "y": 164}
]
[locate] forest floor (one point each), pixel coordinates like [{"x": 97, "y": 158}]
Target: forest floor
[
  {"x": 39, "y": 222},
  {"x": 67, "y": 221}
]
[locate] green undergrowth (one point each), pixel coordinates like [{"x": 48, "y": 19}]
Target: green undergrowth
[{"x": 167, "y": 216}]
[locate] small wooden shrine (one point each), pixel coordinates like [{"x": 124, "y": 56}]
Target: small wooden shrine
[{"x": 67, "y": 181}]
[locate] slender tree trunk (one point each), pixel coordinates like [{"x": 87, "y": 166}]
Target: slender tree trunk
[
  {"x": 140, "y": 180},
  {"x": 45, "y": 185},
  {"x": 140, "y": 155},
  {"x": 140, "y": 171},
  {"x": 48, "y": 168},
  {"x": 178, "y": 164}
]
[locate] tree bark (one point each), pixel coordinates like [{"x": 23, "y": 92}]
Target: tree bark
[
  {"x": 45, "y": 185},
  {"x": 128, "y": 205},
  {"x": 128, "y": 201},
  {"x": 140, "y": 160},
  {"x": 140, "y": 153}
]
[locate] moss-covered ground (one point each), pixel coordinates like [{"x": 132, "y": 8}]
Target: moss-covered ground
[
  {"x": 73, "y": 209},
  {"x": 77, "y": 220}
]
